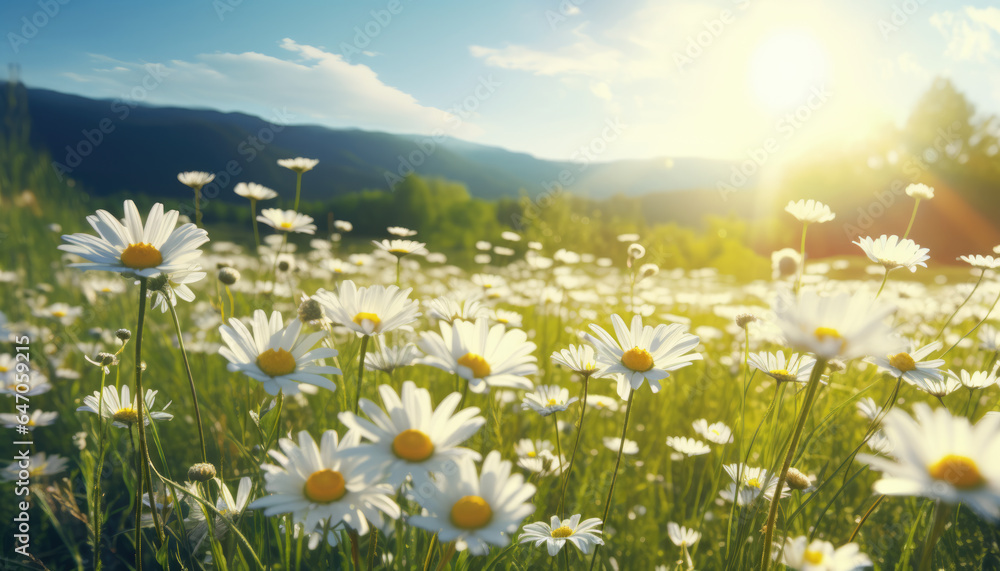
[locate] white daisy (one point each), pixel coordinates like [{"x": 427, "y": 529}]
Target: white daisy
[
  {"x": 749, "y": 483},
  {"x": 642, "y": 353},
  {"x": 892, "y": 252},
  {"x": 369, "y": 310},
  {"x": 36, "y": 419},
  {"x": 343, "y": 225},
  {"x": 299, "y": 164},
  {"x": 809, "y": 211},
  {"x": 387, "y": 359},
  {"x": 716, "y": 432},
  {"x": 818, "y": 555},
  {"x": 797, "y": 368},
  {"x": 909, "y": 366},
  {"x": 580, "y": 359},
  {"x": 555, "y": 534},
  {"x": 278, "y": 356},
  {"x": 939, "y": 387},
  {"x": 41, "y": 465},
  {"x": 981, "y": 262},
  {"x": 547, "y": 399},
  {"x": 630, "y": 447},
  {"x": 688, "y": 446},
  {"x": 400, "y": 248},
  {"x": 920, "y": 191},
  {"x": 868, "y": 408},
  {"x": 134, "y": 248},
  {"x": 323, "y": 484},
  {"x": 287, "y": 220},
  {"x": 601, "y": 402},
  {"x": 195, "y": 179},
  {"x": 401, "y": 232},
  {"x": 976, "y": 380},
  {"x": 176, "y": 288},
  {"x": 508, "y": 318},
  {"x": 230, "y": 507},
  {"x": 254, "y": 191},
  {"x": 449, "y": 309},
  {"x": 942, "y": 457},
  {"x": 410, "y": 437},
  {"x": 839, "y": 326},
  {"x": 682, "y": 536},
  {"x": 475, "y": 510},
  {"x": 483, "y": 355},
  {"x": 123, "y": 410}
]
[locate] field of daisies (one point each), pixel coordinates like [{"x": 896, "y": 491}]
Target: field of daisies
[{"x": 312, "y": 401}]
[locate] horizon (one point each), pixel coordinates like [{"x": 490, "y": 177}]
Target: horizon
[{"x": 706, "y": 79}]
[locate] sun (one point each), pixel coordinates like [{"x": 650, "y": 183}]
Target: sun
[{"x": 785, "y": 67}]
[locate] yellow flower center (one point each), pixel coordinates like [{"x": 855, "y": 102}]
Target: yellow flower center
[
  {"x": 325, "y": 486},
  {"x": 412, "y": 445},
  {"x": 552, "y": 402},
  {"x": 365, "y": 316},
  {"x": 4, "y": 369},
  {"x": 563, "y": 531},
  {"x": 471, "y": 512},
  {"x": 480, "y": 368},
  {"x": 58, "y": 313},
  {"x": 285, "y": 225},
  {"x": 754, "y": 483},
  {"x": 813, "y": 557},
  {"x": 902, "y": 361},
  {"x": 128, "y": 415},
  {"x": 532, "y": 454},
  {"x": 141, "y": 256},
  {"x": 637, "y": 359},
  {"x": 276, "y": 363},
  {"x": 959, "y": 471}
]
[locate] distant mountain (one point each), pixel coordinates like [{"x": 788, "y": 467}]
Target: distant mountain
[{"x": 112, "y": 146}]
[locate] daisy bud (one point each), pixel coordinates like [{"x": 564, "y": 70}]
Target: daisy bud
[
  {"x": 123, "y": 335},
  {"x": 835, "y": 365},
  {"x": 229, "y": 276},
  {"x": 310, "y": 310},
  {"x": 283, "y": 266},
  {"x": 648, "y": 271},
  {"x": 201, "y": 472},
  {"x": 797, "y": 480},
  {"x": 106, "y": 359},
  {"x": 745, "y": 319},
  {"x": 636, "y": 251},
  {"x": 158, "y": 282}
]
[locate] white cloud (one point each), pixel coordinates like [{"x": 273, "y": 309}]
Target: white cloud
[
  {"x": 583, "y": 57},
  {"x": 969, "y": 33},
  {"x": 311, "y": 84}
]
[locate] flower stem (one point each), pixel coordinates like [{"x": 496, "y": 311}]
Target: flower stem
[
  {"x": 141, "y": 458},
  {"x": 298, "y": 190},
  {"x": 971, "y": 331},
  {"x": 187, "y": 369},
  {"x": 965, "y": 301},
  {"x": 197, "y": 206},
  {"x": 912, "y": 218},
  {"x": 98, "y": 511},
  {"x": 614, "y": 475},
  {"x": 253, "y": 217},
  {"x": 361, "y": 370},
  {"x": 576, "y": 445},
  {"x": 811, "y": 389},
  {"x": 885, "y": 278},
  {"x": 941, "y": 514},
  {"x": 559, "y": 456},
  {"x": 802, "y": 256}
]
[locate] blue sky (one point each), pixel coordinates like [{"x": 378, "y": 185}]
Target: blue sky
[{"x": 700, "y": 78}]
